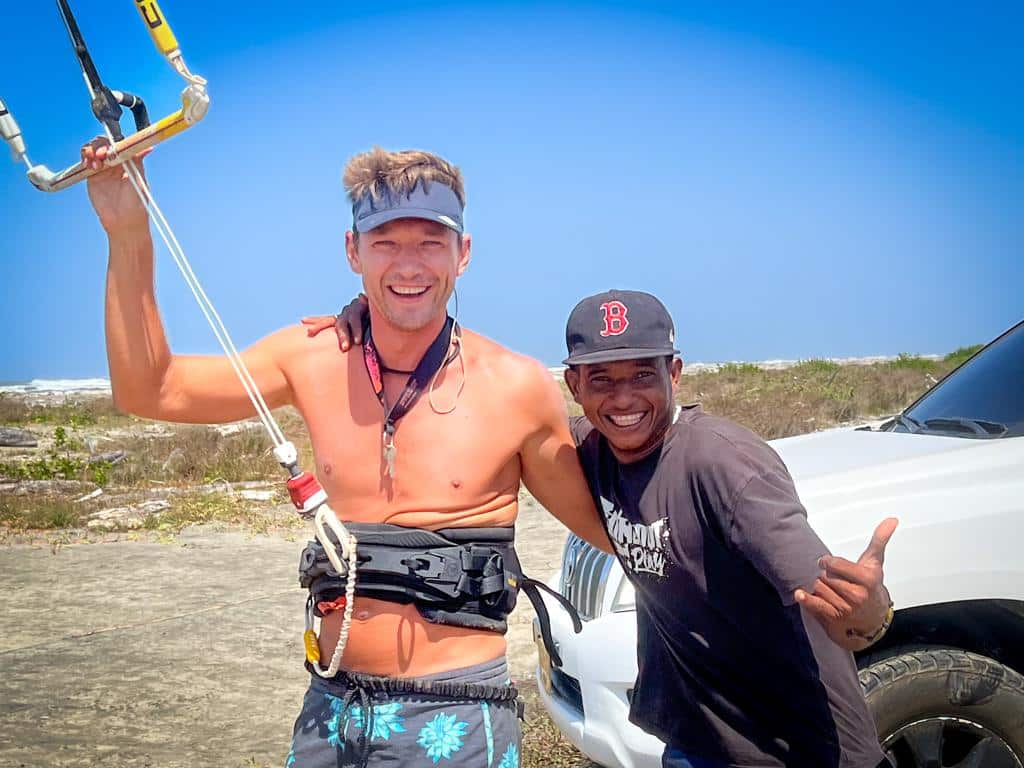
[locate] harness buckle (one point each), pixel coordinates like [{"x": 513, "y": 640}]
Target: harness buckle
[
  {"x": 482, "y": 560},
  {"x": 428, "y": 565}
]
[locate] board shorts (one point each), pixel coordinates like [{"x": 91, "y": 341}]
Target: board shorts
[{"x": 463, "y": 717}]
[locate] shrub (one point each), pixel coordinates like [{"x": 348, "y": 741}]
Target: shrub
[
  {"x": 959, "y": 355},
  {"x": 38, "y": 512},
  {"x": 739, "y": 369},
  {"x": 59, "y": 462},
  {"x": 912, "y": 362},
  {"x": 74, "y": 412},
  {"x": 814, "y": 366}
]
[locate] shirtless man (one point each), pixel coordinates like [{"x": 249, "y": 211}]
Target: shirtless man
[{"x": 490, "y": 419}]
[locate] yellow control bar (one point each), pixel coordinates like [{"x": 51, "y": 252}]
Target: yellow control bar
[{"x": 158, "y": 27}]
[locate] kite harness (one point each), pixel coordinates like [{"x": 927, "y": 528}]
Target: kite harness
[{"x": 450, "y": 580}]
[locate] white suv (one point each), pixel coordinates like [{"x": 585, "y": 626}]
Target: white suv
[{"x": 944, "y": 685}]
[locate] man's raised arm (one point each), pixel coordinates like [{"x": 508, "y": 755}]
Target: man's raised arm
[{"x": 146, "y": 378}]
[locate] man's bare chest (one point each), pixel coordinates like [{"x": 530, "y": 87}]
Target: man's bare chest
[{"x": 456, "y": 442}]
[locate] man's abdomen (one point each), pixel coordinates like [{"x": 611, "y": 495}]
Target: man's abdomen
[{"x": 394, "y": 640}]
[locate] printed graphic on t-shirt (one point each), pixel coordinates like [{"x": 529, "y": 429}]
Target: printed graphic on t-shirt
[{"x": 640, "y": 545}]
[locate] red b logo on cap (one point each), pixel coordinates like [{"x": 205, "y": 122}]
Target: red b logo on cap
[{"x": 615, "y": 322}]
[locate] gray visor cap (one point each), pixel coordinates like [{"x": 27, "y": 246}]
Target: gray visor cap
[{"x": 432, "y": 201}]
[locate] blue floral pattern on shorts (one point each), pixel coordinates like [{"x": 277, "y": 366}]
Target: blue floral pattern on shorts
[
  {"x": 511, "y": 758},
  {"x": 385, "y": 720},
  {"x": 442, "y": 736}
]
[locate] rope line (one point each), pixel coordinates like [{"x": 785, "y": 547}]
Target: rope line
[{"x": 163, "y": 227}]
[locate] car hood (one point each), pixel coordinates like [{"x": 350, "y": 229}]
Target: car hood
[
  {"x": 849, "y": 480},
  {"x": 837, "y": 451}
]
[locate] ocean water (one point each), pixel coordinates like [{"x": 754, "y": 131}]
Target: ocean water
[
  {"x": 102, "y": 386},
  {"x": 57, "y": 386}
]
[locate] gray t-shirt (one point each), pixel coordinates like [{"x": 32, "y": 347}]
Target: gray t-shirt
[{"x": 711, "y": 533}]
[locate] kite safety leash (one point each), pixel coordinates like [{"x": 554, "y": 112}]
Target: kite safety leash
[{"x": 107, "y": 105}]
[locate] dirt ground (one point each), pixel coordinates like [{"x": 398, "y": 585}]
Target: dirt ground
[{"x": 173, "y": 653}]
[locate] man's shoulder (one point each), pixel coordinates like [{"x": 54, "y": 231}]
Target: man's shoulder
[
  {"x": 709, "y": 441},
  {"x": 508, "y": 368},
  {"x": 293, "y": 342},
  {"x": 706, "y": 427}
]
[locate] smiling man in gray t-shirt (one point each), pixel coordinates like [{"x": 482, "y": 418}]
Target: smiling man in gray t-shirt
[{"x": 743, "y": 640}]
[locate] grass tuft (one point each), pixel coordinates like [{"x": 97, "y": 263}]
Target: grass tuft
[
  {"x": 738, "y": 369},
  {"x": 22, "y": 513},
  {"x": 224, "y": 508},
  {"x": 907, "y": 361},
  {"x": 814, "y": 367},
  {"x": 72, "y": 411},
  {"x": 812, "y": 395}
]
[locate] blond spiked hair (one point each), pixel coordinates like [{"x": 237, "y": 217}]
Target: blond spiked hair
[{"x": 379, "y": 173}]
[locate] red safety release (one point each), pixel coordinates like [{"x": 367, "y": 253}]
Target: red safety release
[{"x": 302, "y": 488}]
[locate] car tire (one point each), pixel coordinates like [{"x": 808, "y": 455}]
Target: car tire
[{"x": 946, "y": 707}]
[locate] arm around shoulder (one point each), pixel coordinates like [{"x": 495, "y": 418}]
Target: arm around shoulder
[{"x": 551, "y": 467}]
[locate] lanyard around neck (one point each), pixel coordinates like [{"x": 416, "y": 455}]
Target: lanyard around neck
[{"x": 433, "y": 360}]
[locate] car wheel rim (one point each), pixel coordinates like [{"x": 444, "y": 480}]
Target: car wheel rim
[{"x": 948, "y": 742}]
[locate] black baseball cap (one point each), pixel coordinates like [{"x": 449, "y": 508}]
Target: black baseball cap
[{"x": 618, "y": 325}]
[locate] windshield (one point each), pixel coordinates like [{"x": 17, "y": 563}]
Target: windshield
[{"x": 982, "y": 398}]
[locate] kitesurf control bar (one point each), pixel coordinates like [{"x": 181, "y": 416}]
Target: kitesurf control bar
[{"x": 107, "y": 104}]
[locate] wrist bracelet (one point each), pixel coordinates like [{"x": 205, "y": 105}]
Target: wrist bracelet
[{"x": 875, "y": 636}]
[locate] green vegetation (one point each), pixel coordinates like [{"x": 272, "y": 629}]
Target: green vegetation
[
  {"x": 812, "y": 395},
  {"x": 738, "y": 369},
  {"x": 40, "y": 512},
  {"x": 196, "y": 454},
  {"x": 227, "y": 509},
  {"x": 957, "y": 356},
  {"x": 58, "y": 462},
  {"x": 72, "y": 412},
  {"x": 815, "y": 366},
  {"x": 21, "y": 513},
  {"x": 913, "y": 362}
]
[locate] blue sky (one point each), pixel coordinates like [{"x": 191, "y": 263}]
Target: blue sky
[{"x": 792, "y": 180}]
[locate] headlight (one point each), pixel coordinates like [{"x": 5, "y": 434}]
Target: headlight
[{"x": 625, "y": 596}]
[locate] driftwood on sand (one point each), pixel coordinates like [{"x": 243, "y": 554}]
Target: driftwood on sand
[{"x": 11, "y": 437}]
